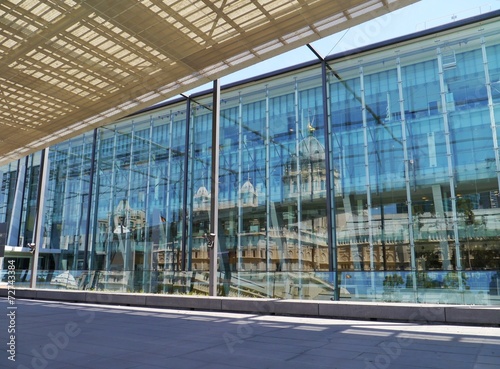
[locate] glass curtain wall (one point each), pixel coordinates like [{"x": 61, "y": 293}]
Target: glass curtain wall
[
  {"x": 138, "y": 214},
  {"x": 20, "y": 183},
  {"x": 273, "y": 188},
  {"x": 65, "y": 212},
  {"x": 199, "y": 194},
  {"x": 413, "y": 167},
  {"x": 414, "y": 143},
  {"x": 8, "y": 212}
]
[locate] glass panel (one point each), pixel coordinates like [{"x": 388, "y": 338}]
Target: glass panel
[
  {"x": 29, "y": 207},
  {"x": 9, "y": 175},
  {"x": 164, "y": 193},
  {"x": 273, "y": 185},
  {"x": 443, "y": 164},
  {"x": 199, "y": 194},
  {"x": 67, "y": 201},
  {"x": 427, "y": 162},
  {"x": 139, "y": 195},
  {"x": 414, "y": 165}
]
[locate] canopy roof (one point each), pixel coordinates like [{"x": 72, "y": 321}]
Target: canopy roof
[{"x": 67, "y": 66}]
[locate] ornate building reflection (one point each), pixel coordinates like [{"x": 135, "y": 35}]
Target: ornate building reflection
[{"x": 377, "y": 182}]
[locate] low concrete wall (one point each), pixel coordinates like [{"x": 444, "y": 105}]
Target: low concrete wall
[
  {"x": 184, "y": 302},
  {"x": 418, "y": 313},
  {"x": 477, "y": 315},
  {"x": 421, "y": 313},
  {"x": 297, "y": 307},
  {"x": 248, "y": 305},
  {"x": 131, "y": 299}
]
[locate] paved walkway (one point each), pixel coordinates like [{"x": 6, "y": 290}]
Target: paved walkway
[{"x": 57, "y": 335}]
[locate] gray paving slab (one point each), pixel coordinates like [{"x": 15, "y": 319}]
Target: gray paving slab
[{"x": 62, "y": 335}]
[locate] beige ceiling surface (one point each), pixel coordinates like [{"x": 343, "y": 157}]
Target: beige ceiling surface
[{"x": 67, "y": 66}]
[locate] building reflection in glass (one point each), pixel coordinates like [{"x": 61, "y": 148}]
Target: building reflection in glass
[{"x": 384, "y": 189}]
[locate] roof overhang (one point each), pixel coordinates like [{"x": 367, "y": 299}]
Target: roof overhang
[{"x": 68, "y": 66}]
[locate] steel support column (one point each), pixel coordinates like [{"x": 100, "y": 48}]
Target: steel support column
[
  {"x": 184, "y": 236},
  {"x": 86, "y": 263},
  {"x": 42, "y": 184},
  {"x": 214, "y": 190}
]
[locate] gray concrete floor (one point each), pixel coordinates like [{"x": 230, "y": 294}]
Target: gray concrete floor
[{"x": 56, "y": 335}]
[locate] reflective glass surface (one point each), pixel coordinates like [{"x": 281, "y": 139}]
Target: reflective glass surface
[{"x": 376, "y": 178}]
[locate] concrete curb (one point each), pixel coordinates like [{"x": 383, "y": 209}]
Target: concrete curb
[{"x": 418, "y": 313}]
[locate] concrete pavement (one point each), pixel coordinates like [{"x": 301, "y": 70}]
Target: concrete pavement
[{"x": 62, "y": 335}]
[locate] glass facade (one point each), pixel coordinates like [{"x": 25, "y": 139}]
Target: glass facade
[{"x": 371, "y": 176}]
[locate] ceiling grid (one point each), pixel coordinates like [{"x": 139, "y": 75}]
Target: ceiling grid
[{"x": 68, "y": 66}]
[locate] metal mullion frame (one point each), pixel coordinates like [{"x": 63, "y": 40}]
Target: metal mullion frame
[
  {"x": 407, "y": 177},
  {"x": 38, "y": 232},
  {"x": 451, "y": 168},
  {"x": 367, "y": 175},
  {"x": 491, "y": 108},
  {"x": 268, "y": 191},
  {"x": 214, "y": 191},
  {"x": 240, "y": 183},
  {"x": 298, "y": 186},
  {"x": 146, "y": 209},
  {"x": 97, "y": 161},
  {"x": 90, "y": 200},
  {"x": 187, "y": 145},
  {"x": 80, "y": 206},
  {"x": 167, "y": 204},
  {"x": 330, "y": 184}
]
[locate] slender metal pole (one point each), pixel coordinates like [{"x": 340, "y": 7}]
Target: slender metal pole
[
  {"x": 96, "y": 187},
  {"x": 451, "y": 167},
  {"x": 298, "y": 185},
  {"x": 42, "y": 181},
  {"x": 214, "y": 198},
  {"x": 149, "y": 266},
  {"x": 184, "y": 237},
  {"x": 330, "y": 179},
  {"x": 268, "y": 194},
  {"x": 240, "y": 183},
  {"x": 86, "y": 263},
  {"x": 368, "y": 181},
  {"x": 413, "y": 262},
  {"x": 330, "y": 185}
]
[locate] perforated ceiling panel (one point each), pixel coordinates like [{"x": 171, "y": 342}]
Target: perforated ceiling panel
[{"x": 68, "y": 66}]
